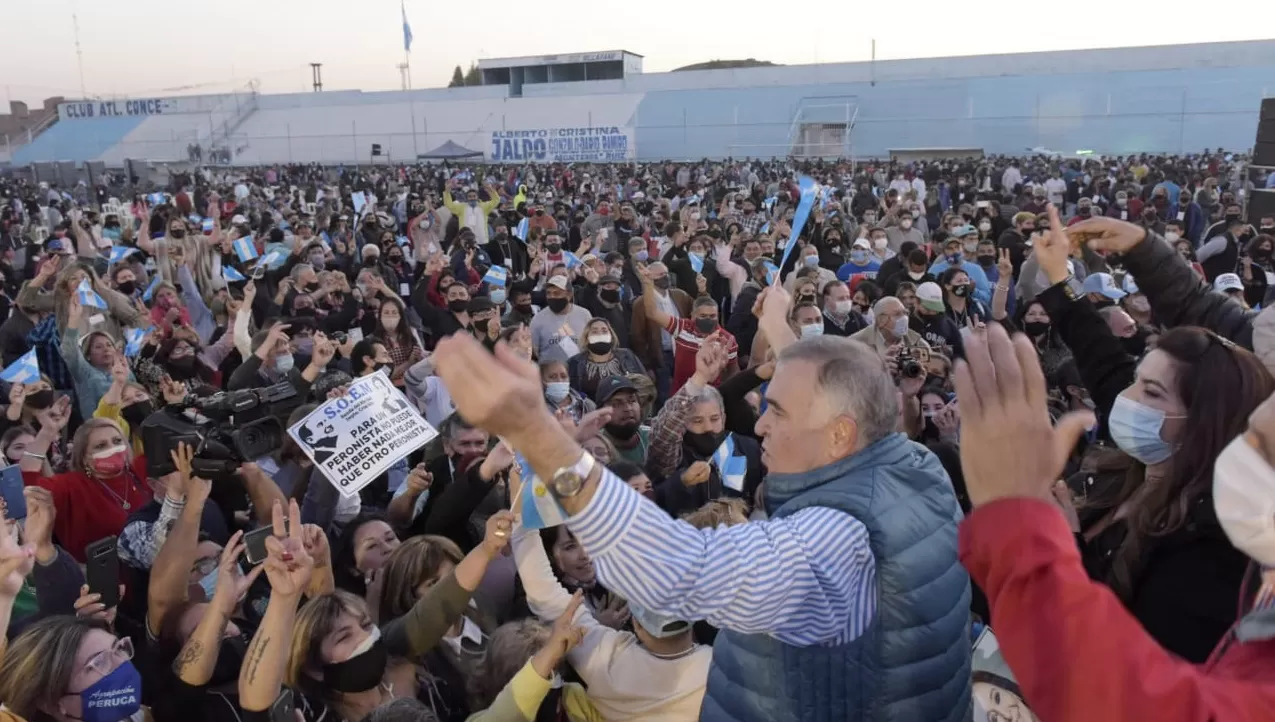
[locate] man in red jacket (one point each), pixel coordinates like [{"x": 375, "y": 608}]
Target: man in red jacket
[{"x": 1078, "y": 655}]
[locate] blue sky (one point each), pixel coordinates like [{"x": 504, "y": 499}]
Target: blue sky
[{"x": 148, "y": 47}]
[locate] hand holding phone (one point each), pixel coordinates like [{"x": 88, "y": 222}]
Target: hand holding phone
[{"x": 102, "y": 571}]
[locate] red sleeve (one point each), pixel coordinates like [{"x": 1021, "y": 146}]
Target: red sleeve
[
  {"x": 1078, "y": 655},
  {"x": 55, "y": 484},
  {"x": 676, "y": 324}
]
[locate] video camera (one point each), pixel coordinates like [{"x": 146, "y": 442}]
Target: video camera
[{"x": 227, "y": 430}]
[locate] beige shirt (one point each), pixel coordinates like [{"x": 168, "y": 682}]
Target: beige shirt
[{"x": 872, "y": 337}]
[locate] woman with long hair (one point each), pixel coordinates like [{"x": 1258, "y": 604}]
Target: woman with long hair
[
  {"x": 601, "y": 356},
  {"x": 119, "y": 312},
  {"x": 573, "y": 569},
  {"x": 400, "y": 340}
]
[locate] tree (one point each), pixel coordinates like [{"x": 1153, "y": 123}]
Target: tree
[
  {"x": 458, "y": 78},
  {"x": 473, "y": 77}
]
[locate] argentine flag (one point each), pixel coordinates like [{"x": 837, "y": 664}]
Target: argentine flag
[
  {"x": 231, "y": 275},
  {"x": 207, "y": 225},
  {"x": 133, "y": 340},
  {"x": 523, "y": 229},
  {"x": 772, "y": 273},
  {"x": 765, "y": 228},
  {"x": 245, "y": 249},
  {"x": 150, "y": 290},
  {"x": 697, "y": 263},
  {"x": 89, "y": 297},
  {"x": 732, "y": 468},
  {"x": 496, "y": 276},
  {"x": 537, "y": 506},
  {"x": 571, "y": 260},
  {"x": 119, "y": 253},
  {"x": 272, "y": 260},
  {"x": 25, "y": 370}
]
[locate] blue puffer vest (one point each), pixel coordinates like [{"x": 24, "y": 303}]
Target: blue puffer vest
[{"x": 912, "y": 663}]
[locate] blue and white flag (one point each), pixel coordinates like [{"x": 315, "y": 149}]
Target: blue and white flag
[
  {"x": 25, "y": 370},
  {"x": 133, "y": 340},
  {"x": 732, "y": 468},
  {"x": 156, "y": 199},
  {"x": 536, "y": 505},
  {"x": 359, "y": 200},
  {"x": 402, "y": 241},
  {"x": 496, "y": 276},
  {"x": 150, "y": 290},
  {"x": 808, "y": 190},
  {"x": 231, "y": 274},
  {"x": 119, "y": 253},
  {"x": 772, "y": 273},
  {"x": 207, "y": 225},
  {"x": 697, "y": 263},
  {"x": 769, "y": 202},
  {"x": 272, "y": 260},
  {"x": 523, "y": 229},
  {"x": 407, "y": 31},
  {"x": 245, "y": 249},
  {"x": 765, "y": 228},
  {"x": 571, "y": 260},
  {"x": 87, "y": 296}
]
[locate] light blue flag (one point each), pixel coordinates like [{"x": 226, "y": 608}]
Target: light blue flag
[
  {"x": 697, "y": 263},
  {"x": 772, "y": 273},
  {"x": 155, "y": 199},
  {"x": 89, "y": 297},
  {"x": 272, "y": 260},
  {"x": 765, "y": 228},
  {"x": 402, "y": 240},
  {"x": 733, "y": 469},
  {"x": 119, "y": 253},
  {"x": 769, "y": 202},
  {"x": 25, "y": 370},
  {"x": 523, "y": 229},
  {"x": 133, "y": 340},
  {"x": 808, "y": 190},
  {"x": 407, "y": 31},
  {"x": 496, "y": 276},
  {"x": 231, "y": 274},
  {"x": 571, "y": 260},
  {"x": 359, "y": 200},
  {"x": 285, "y": 226},
  {"x": 245, "y": 249},
  {"x": 538, "y": 507},
  {"x": 150, "y": 290},
  {"x": 208, "y": 225}
]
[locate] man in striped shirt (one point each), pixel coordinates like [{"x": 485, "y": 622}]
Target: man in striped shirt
[{"x": 847, "y": 604}]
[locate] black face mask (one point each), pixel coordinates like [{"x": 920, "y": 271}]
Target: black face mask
[
  {"x": 177, "y": 233},
  {"x": 481, "y": 324},
  {"x": 395, "y": 260},
  {"x": 557, "y": 305},
  {"x": 624, "y": 431},
  {"x": 1232, "y": 217},
  {"x": 706, "y": 325},
  {"x": 136, "y": 413},
  {"x": 40, "y": 399},
  {"x": 703, "y": 443},
  {"x": 553, "y": 247},
  {"x": 357, "y": 674},
  {"x": 230, "y": 657},
  {"x": 987, "y": 261},
  {"x": 1036, "y": 329},
  {"x": 306, "y": 312},
  {"x": 126, "y": 287},
  {"x": 960, "y": 291},
  {"x": 600, "y": 348},
  {"x": 662, "y": 283},
  {"x": 523, "y": 308},
  {"x": 182, "y": 369},
  {"x": 458, "y": 305},
  {"x": 610, "y": 295},
  {"x": 1135, "y": 345}
]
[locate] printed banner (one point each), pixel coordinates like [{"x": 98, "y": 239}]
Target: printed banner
[
  {"x": 564, "y": 145},
  {"x": 355, "y": 438}
]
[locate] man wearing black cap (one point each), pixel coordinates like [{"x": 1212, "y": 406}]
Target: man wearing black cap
[{"x": 625, "y": 429}]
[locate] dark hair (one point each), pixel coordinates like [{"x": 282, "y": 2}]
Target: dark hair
[
  {"x": 949, "y": 273},
  {"x": 402, "y": 334},
  {"x": 365, "y": 347},
  {"x": 871, "y": 291},
  {"x": 1258, "y": 240},
  {"x": 918, "y": 258},
  {"x": 344, "y": 572},
  {"x": 1220, "y": 384},
  {"x": 596, "y": 595},
  {"x": 625, "y": 469}
]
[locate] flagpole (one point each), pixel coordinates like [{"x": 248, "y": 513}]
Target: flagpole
[{"x": 407, "y": 64}]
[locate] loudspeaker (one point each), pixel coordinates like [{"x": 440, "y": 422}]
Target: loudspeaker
[
  {"x": 1266, "y": 130},
  {"x": 1268, "y": 109},
  {"x": 1261, "y": 203},
  {"x": 1264, "y": 153}
]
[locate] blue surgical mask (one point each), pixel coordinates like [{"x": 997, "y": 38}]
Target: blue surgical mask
[
  {"x": 113, "y": 698},
  {"x": 812, "y": 260},
  {"x": 556, "y": 391},
  {"x": 641, "y": 255},
  {"x": 859, "y": 256},
  {"x": 209, "y": 583},
  {"x": 283, "y": 363},
  {"x": 112, "y": 234},
  {"x": 811, "y": 330},
  {"x": 900, "y": 328},
  {"x": 954, "y": 259},
  {"x": 497, "y": 296},
  {"x": 1136, "y": 430}
]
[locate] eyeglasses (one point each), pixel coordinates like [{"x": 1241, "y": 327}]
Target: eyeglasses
[{"x": 105, "y": 662}]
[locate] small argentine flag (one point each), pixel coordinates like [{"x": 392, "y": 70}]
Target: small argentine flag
[
  {"x": 523, "y": 229},
  {"x": 150, "y": 290},
  {"x": 89, "y": 297},
  {"x": 571, "y": 260},
  {"x": 691, "y": 200},
  {"x": 769, "y": 202},
  {"x": 697, "y": 263},
  {"x": 402, "y": 240},
  {"x": 496, "y": 276},
  {"x": 273, "y": 259},
  {"x": 538, "y": 508},
  {"x": 732, "y": 468},
  {"x": 772, "y": 273},
  {"x": 133, "y": 340},
  {"x": 25, "y": 370},
  {"x": 119, "y": 253},
  {"x": 359, "y": 200},
  {"x": 245, "y": 249},
  {"x": 231, "y": 275},
  {"x": 765, "y": 228},
  {"x": 207, "y": 225}
]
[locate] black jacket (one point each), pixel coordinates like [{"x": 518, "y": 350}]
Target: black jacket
[{"x": 677, "y": 498}]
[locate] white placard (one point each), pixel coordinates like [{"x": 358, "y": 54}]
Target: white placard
[{"x": 357, "y": 437}]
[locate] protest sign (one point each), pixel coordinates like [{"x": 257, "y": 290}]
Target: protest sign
[{"x": 355, "y": 438}]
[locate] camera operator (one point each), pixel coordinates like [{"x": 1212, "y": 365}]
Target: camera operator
[{"x": 890, "y": 328}]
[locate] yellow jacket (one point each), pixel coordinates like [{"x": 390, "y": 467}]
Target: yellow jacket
[
  {"x": 520, "y": 700},
  {"x": 112, "y": 412}
]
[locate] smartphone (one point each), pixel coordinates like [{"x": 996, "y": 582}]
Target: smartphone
[
  {"x": 258, "y": 272},
  {"x": 255, "y": 543},
  {"x": 102, "y": 570},
  {"x": 983, "y": 204},
  {"x": 283, "y": 707},
  {"x": 11, "y": 491}
]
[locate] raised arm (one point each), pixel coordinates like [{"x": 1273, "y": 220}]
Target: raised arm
[
  {"x": 1000, "y": 297},
  {"x": 169, "y": 576},
  {"x": 649, "y": 303},
  {"x": 198, "y": 657}
]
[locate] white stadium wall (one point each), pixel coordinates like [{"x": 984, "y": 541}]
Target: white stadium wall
[{"x": 1156, "y": 99}]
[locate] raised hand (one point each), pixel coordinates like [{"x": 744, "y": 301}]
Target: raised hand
[
  {"x": 1053, "y": 249},
  {"x": 695, "y": 474},
  {"x": 174, "y": 392},
  {"x": 1005, "y": 266},
  {"x": 119, "y": 370},
  {"x": 419, "y": 480},
  {"x": 16, "y": 562},
  {"x": 499, "y": 527},
  {"x": 500, "y": 457},
  {"x": 56, "y": 417},
  {"x": 17, "y": 395},
  {"x": 592, "y": 422},
  {"x": 499, "y": 391},
  {"x": 562, "y": 639},
  {"x": 74, "y": 310},
  {"x": 614, "y": 615},
  {"x": 1109, "y": 235},
  {"x": 288, "y": 565},
  {"x": 316, "y": 544},
  {"x": 231, "y": 585},
  {"x": 1004, "y": 406},
  {"x": 41, "y": 512},
  {"x": 90, "y": 606}
]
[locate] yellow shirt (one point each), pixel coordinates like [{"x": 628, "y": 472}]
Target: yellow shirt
[{"x": 520, "y": 700}]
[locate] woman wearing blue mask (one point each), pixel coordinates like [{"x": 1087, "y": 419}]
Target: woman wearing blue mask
[
  {"x": 1146, "y": 526},
  {"x": 558, "y": 392}
]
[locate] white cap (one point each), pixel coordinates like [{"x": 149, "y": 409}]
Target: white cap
[
  {"x": 1228, "y": 282},
  {"x": 861, "y": 243}
]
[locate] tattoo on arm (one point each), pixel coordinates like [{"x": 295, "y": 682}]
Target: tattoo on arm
[
  {"x": 254, "y": 657},
  {"x": 190, "y": 653}
]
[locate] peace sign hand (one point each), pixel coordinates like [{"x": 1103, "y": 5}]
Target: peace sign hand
[
  {"x": 1005, "y": 266},
  {"x": 288, "y": 565}
]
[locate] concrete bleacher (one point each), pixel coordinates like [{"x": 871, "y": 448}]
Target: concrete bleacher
[{"x": 76, "y": 141}]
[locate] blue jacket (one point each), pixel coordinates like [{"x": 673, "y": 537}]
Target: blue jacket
[
  {"x": 913, "y": 661},
  {"x": 982, "y": 287}
]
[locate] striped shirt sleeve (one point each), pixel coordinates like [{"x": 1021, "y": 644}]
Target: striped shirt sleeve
[{"x": 805, "y": 579}]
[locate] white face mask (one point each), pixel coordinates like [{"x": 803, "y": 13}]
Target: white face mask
[
  {"x": 1244, "y": 498},
  {"x": 843, "y": 308},
  {"x": 905, "y": 224},
  {"x": 1170, "y": 236},
  {"x": 813, "y": 329}
]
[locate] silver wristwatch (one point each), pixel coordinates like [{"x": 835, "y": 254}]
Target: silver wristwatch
[{"x": 569, "y": 480}]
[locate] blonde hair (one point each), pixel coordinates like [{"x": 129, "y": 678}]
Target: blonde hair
[
  {"x": 723, "y": 510},
  {"x": 40, "y": 662},
  {"x": 80, "y": 442},
  {"x": 414, "y": 561},
  {"x": 315, "y": 620},
  {"x": 508, "y": 650},
  {"x": 583, "y": 338}
]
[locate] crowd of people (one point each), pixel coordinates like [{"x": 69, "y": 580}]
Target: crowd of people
[{"x": 810, "y": 447}]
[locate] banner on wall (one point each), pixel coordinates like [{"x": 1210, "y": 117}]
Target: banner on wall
[
  {"x": 563, "y": 145},
  {"x": 142, "y": 107}
]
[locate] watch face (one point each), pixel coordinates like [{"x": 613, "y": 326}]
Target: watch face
[{"x": 567, "y": 483}]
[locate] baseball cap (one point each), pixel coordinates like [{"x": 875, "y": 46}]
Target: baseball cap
[
  {"x": 660, "y": 626},
  {"x": 861, "y": 243},
  {"x": 560, "y": 282},
  {"x": 1228, "y": 282},
  {"x": 238, "y": 221},
  {"x": 1103, "y": 283},
  {"x": 1130, "y": 286},
  {"x": 930, "y": 296},
  {"x": 964, "y": 230},
  {"x": 612, "y": 385}
]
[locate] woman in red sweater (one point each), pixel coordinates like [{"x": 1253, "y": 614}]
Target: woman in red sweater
[{"x": 105, "y": 483}]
